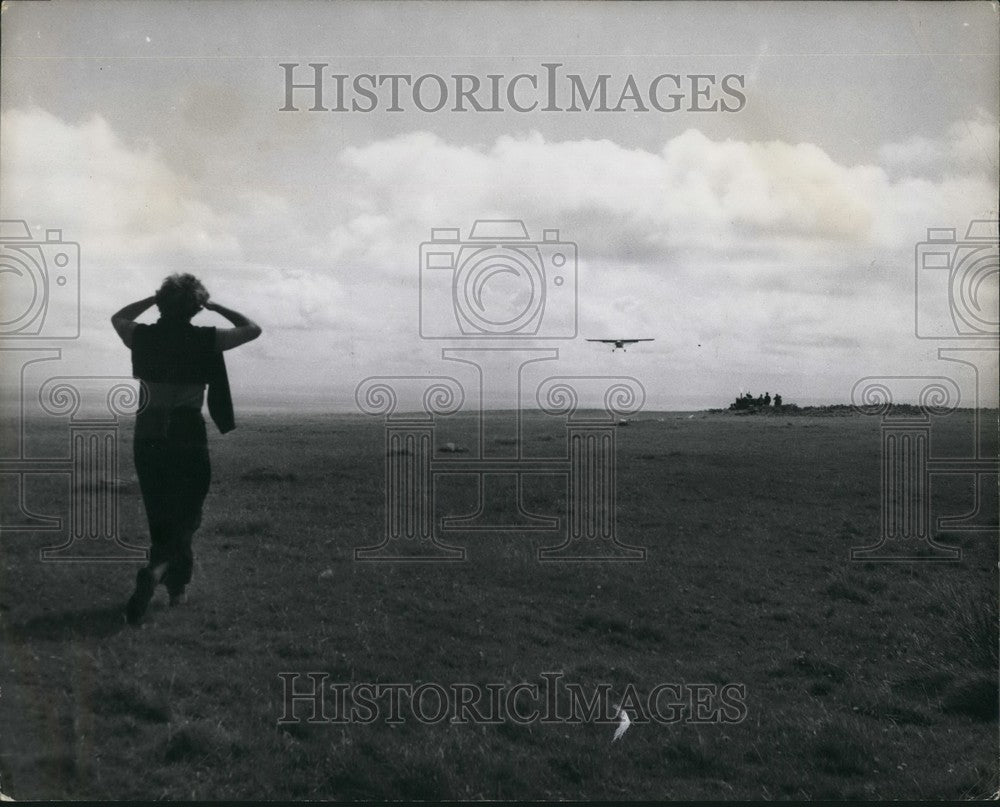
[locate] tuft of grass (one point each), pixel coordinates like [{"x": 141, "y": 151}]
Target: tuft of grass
[
  {"x": 201, "y": 741},
  {"x": 839, "y": 749},
  {"x": 929, "y": 684},
  {"x": 821, "y": 688},
  {"x": 684, "y": 757},
  {"x": 895, "y": 712},
  {"x": 811, "y": 667},
  {"x": 233, "y": 527},
  {"x": 133, "y": 699},
  {"x": 975, "y": 619},
  {"x": 843, "y": 586},
  {"x": 422, "y": 780},
  {"x": 976, "y": 697},
  {"x": 268, "y": 475}
]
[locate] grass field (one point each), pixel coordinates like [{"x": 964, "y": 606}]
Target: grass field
[{"x": 863, "y": 680}]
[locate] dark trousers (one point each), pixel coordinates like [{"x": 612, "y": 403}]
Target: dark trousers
[{"x": 171, "y": 460}]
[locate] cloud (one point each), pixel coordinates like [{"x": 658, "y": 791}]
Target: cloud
[
  {"x": 124, "y": 198},
  {"x": 765, "y": 246},
  {"x": 695, "y": 195},
  {"x": 969, "y": 147},
  {"x": 769, "y": 255},
  {"x": 138, "y": 219}
]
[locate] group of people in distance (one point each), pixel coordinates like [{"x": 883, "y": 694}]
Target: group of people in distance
[{"x": 761, "y": 401}]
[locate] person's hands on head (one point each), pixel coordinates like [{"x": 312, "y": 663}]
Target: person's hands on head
[{"x": 201, "y": 295}]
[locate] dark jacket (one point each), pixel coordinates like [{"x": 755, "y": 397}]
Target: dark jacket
[{"x": 179, "y": 352}]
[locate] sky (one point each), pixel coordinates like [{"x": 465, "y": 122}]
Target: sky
[{"x": 771, "y": 243}]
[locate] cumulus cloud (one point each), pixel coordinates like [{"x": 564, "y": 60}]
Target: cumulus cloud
[
  {"x": 731, "y": 198},
  {"x": 768, "y": 257},
  {"x": 970, "y": 147},
  {"x": 138, "y": 219},
  {"x": 766, "y": 248},
  {"x": 124, "y": 198}
]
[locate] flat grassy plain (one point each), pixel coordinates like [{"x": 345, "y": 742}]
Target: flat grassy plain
[{"x": 863, "y": 680}]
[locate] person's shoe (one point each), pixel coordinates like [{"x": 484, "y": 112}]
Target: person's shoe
[
  {"x": 145, "y": 585},
  {"x": 178, "y": 598}
]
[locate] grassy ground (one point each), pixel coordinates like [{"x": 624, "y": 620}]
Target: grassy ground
[{"x": 862, "y": 679}]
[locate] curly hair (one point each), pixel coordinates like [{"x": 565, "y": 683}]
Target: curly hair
[{"x": 181, "y": 296}]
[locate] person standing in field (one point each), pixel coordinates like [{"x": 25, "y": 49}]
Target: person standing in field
[{"x": 175, "y": 360}]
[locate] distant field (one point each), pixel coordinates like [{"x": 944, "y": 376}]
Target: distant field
[{"x": 863, "y": 680}]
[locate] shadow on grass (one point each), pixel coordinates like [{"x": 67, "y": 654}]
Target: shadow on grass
[{"x": 95, "y": 623}]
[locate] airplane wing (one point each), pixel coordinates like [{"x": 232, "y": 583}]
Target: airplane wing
[{"x": 619, "y": 343}]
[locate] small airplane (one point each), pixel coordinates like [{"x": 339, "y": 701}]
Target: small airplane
[{"x": 619, "y": 343}]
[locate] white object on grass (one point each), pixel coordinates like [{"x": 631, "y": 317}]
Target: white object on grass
[{"x": 623, "y": 723}]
